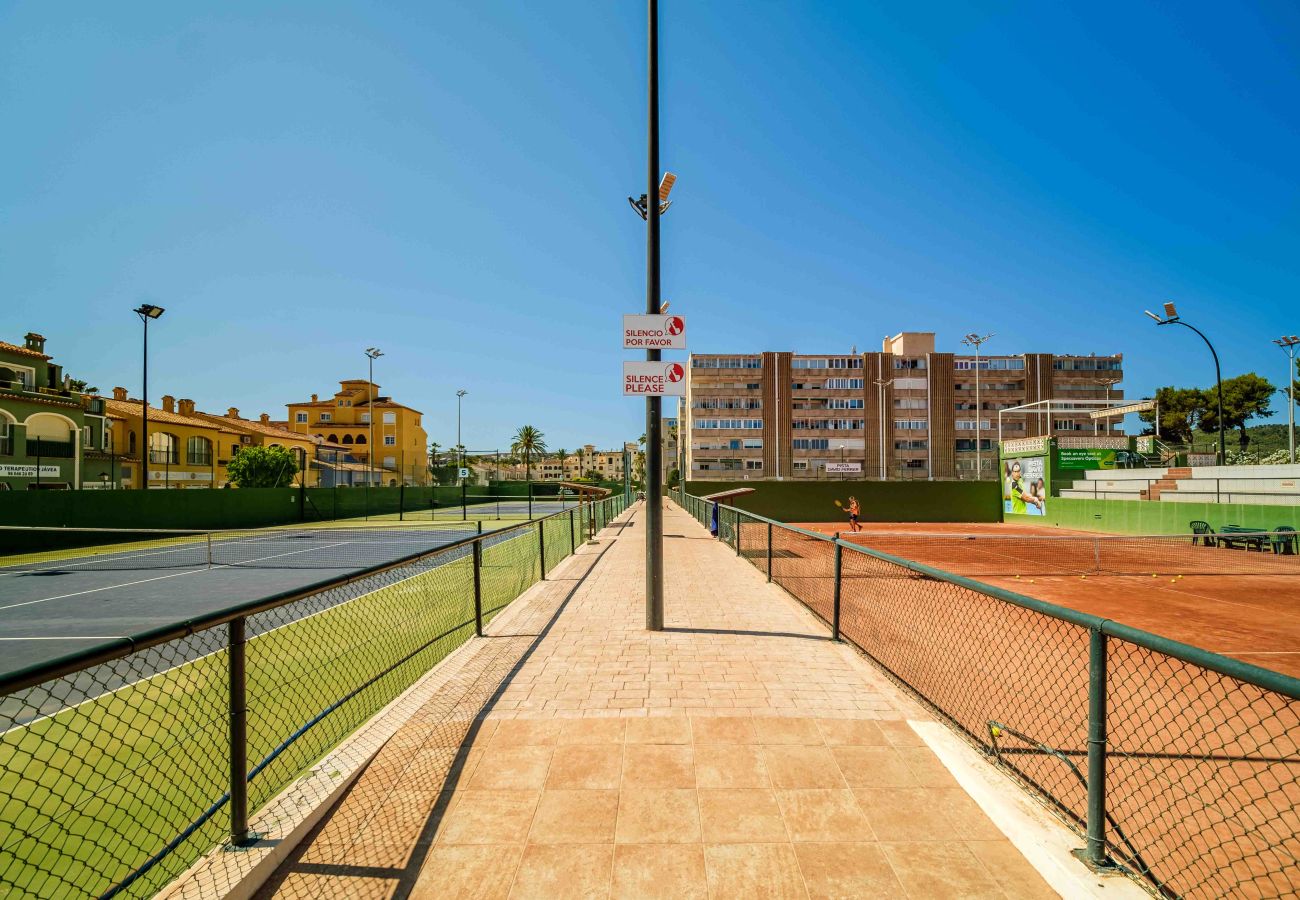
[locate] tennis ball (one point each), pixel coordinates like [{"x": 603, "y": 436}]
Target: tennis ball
[{"x": 997, "y": 732}]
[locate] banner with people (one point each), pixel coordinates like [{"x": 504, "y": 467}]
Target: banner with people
[{"x": 1024, "y": 486}]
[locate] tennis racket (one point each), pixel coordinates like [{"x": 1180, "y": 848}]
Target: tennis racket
[{"x": 839, "y": 504}]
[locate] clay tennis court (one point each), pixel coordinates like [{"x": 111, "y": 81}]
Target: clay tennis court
[
  {"x": 1239, "y": 603},
  {"x": 1203, "y": 770}
]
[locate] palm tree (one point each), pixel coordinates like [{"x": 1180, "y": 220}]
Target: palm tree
[
  {"x": 528, "y": 441},
  {"x": 433, "y": 454},
  {"x": 560, "y": 454}
]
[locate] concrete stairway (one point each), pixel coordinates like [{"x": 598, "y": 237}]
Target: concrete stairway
[{"x": 1168, "y": 483}]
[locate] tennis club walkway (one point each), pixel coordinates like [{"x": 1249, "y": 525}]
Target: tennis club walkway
[{"x": 739, "y": 753}]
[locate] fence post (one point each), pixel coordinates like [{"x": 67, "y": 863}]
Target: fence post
[
  {"x": 573, "y": 534},
  {"x": 769, "y": 552},
  {"x": 541, "y": 546},
  {"x": 1096, "y": 555},
  {"x": 209, "y": 540},
  {"x": 478, "y": 588},
  {"x": 835, "y": 616},
  {"x": 238, "y": 733},
  {"x": 736, "y": 529},
  {"x": 1096, "y": 747}
]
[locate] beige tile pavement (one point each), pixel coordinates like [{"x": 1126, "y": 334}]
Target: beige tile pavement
[{"x": 738, "y": 753}]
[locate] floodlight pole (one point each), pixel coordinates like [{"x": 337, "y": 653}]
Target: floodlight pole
[
  {"x": 880, "y": 390},
  {"x": 1218, "y": 373},
  {"x": 145, "y": 311},
  {"x": 974, "y": 340},
  {"x": 1288, "y": 345},
  {"x": 654, "y": 533}
]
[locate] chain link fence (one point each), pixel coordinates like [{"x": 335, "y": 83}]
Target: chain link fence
[
  {"x": 122, "y": 765},
  {"x": 1177, "y": 766}
]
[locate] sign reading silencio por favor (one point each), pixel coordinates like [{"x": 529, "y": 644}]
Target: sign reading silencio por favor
[
  {"x": 654, "y": 333},
  {"x": 654, "y": 379}
]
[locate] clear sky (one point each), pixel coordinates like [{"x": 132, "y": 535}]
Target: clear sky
[{"x": 298, "y": 181}]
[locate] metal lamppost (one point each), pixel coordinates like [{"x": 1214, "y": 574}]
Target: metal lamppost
[
  {"x": 1288, "y": 345},
  {"x": 1107, "y": 384},
  {"x": 145, "y": 311},
  {"x": 841, "y": 462},
  {"x": 653, "y": 202},
  {"x": 373, "y": 353},
  {"x": 974, "y": 340},
  {"x": 880, "y": 385},
  {"x": 460, "y": 448},
  {"x": 1171, "y": 318}
]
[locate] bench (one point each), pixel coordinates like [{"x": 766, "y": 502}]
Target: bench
[{"x": 1231, "y": 535}]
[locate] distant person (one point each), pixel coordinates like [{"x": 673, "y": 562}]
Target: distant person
[
  {"x": 1037, "y": 503},
  {"x": 713, "y": 521},
  {"x": 854, "y": 511}
]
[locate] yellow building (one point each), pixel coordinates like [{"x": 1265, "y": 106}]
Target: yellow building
[
  {"x": 239, "y": 432},
  {"x": 184, "y": 450},
  {"x": 356, "y": 414}
]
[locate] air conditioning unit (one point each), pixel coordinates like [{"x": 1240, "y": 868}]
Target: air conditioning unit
[{"x": 245, "y": 439}]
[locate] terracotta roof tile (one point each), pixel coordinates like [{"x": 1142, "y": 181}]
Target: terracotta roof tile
[
  {"x": 125, "y": 408},
  {"x": 21, "y": 351}
]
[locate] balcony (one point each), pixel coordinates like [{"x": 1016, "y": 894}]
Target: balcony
[
  {"x": 6, "y": 445},
  {"x": 48, "y": 449}
]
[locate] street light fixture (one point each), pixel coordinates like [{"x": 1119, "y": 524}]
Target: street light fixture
[
  {"x": 1288, "y": 345},
  {"x": 460, "y": 448},
  {"x": 373, "y": 353},
  {"x": 1171, "y": 318},
  {"x": 145, "y": 311},
  {"x": 974, "y": 340}
]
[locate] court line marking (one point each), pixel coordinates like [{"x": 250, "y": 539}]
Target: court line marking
[{"x": 164, "y": 577}]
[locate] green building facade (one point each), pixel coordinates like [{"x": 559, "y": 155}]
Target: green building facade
[{"x": 52, "y": 437}]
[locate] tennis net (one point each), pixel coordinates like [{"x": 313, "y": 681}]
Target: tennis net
[
  {"x": 988, "y": 555},
  {"x": 66, "y": 551}
]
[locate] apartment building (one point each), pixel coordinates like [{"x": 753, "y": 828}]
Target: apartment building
[
  {"x": 608, "y": 464},
  {"x": 184, "y": 451},
  {"x": 907, "y": 411},
  {"x": 346, "y": 420}
]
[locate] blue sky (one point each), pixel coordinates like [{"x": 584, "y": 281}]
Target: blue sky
[{"x": 298, "y": 181}]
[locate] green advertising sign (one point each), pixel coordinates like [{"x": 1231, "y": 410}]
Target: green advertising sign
[{"x": 1085, "y": 458}]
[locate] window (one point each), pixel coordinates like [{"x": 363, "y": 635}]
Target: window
[
  {"x": 390, "y": 462},
  {"x": 723, "y": 362},
  {"x": 753, "y": 443},
  {"x": 130, "y": 443},
  {"x": 969, "y": 444},
  {"x": 900, "y": 363},
  {"x": 333, "y": 438},
  {"x": 347, "y": 439},
  {"x": 911, "y": 384},
  {"x": 910, "y": 424},
  {"x": 390, "y": 418},
  {"x": 826, "y": 424},
  {"x": 1067, "y": 425},
  {"x": 390, "y": 440},
  {"x": 365, "y": 418},
  {"x": 87, "y": 441},
  {"x": 361, "y": 439},
  {"x": 163, "y": 449},
  {"x": 996, "y": 365},
  {"x": 844, "y": 362},
  {"x": 753, "y": 464},
  {"x": 911, "y": 445},
  {"x": 909, "y": 403},
  {"x": 843, "y": 384},
  {"x": 969, "y": 424},
  {"x": 807, "y": 363},
  {"x": 727, "y": 403},
  {"x": 800, "y": 465},
  {"x": 914, "y": 463},
  {"x": 811, "y": 443},
  {"x": 6, "y": 443},
  {"x": 729, "y": 423},
  {"x": 198, "y": 451},
  {"x": 1088, "y": 364},
  {"x": 327, "y": 417},
  {"x": 300, "y": 418}
]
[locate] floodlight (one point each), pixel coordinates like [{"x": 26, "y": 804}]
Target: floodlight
[
  {"x": 374, "y": 352},
  {"x": 666, "y": 186},
  {"x": 663, "y": 307},
  {"x": 1158, "y": 320},
  {"x": 148, "y": 310},
  {"x": 1170, "y": 311}
]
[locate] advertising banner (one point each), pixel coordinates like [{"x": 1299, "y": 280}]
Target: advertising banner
[
  {"x": 1085, "y": 458},
  {"x": 8, "y": 471},
  {"x": 1024, "y": 486}
]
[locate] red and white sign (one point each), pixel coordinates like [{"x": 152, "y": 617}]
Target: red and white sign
[
  {"x": 654, "y": 333},
  {"x": 654, "y": 379}
]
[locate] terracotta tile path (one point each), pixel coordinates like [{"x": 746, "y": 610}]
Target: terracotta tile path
[{"x": 739, "y": 753}]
